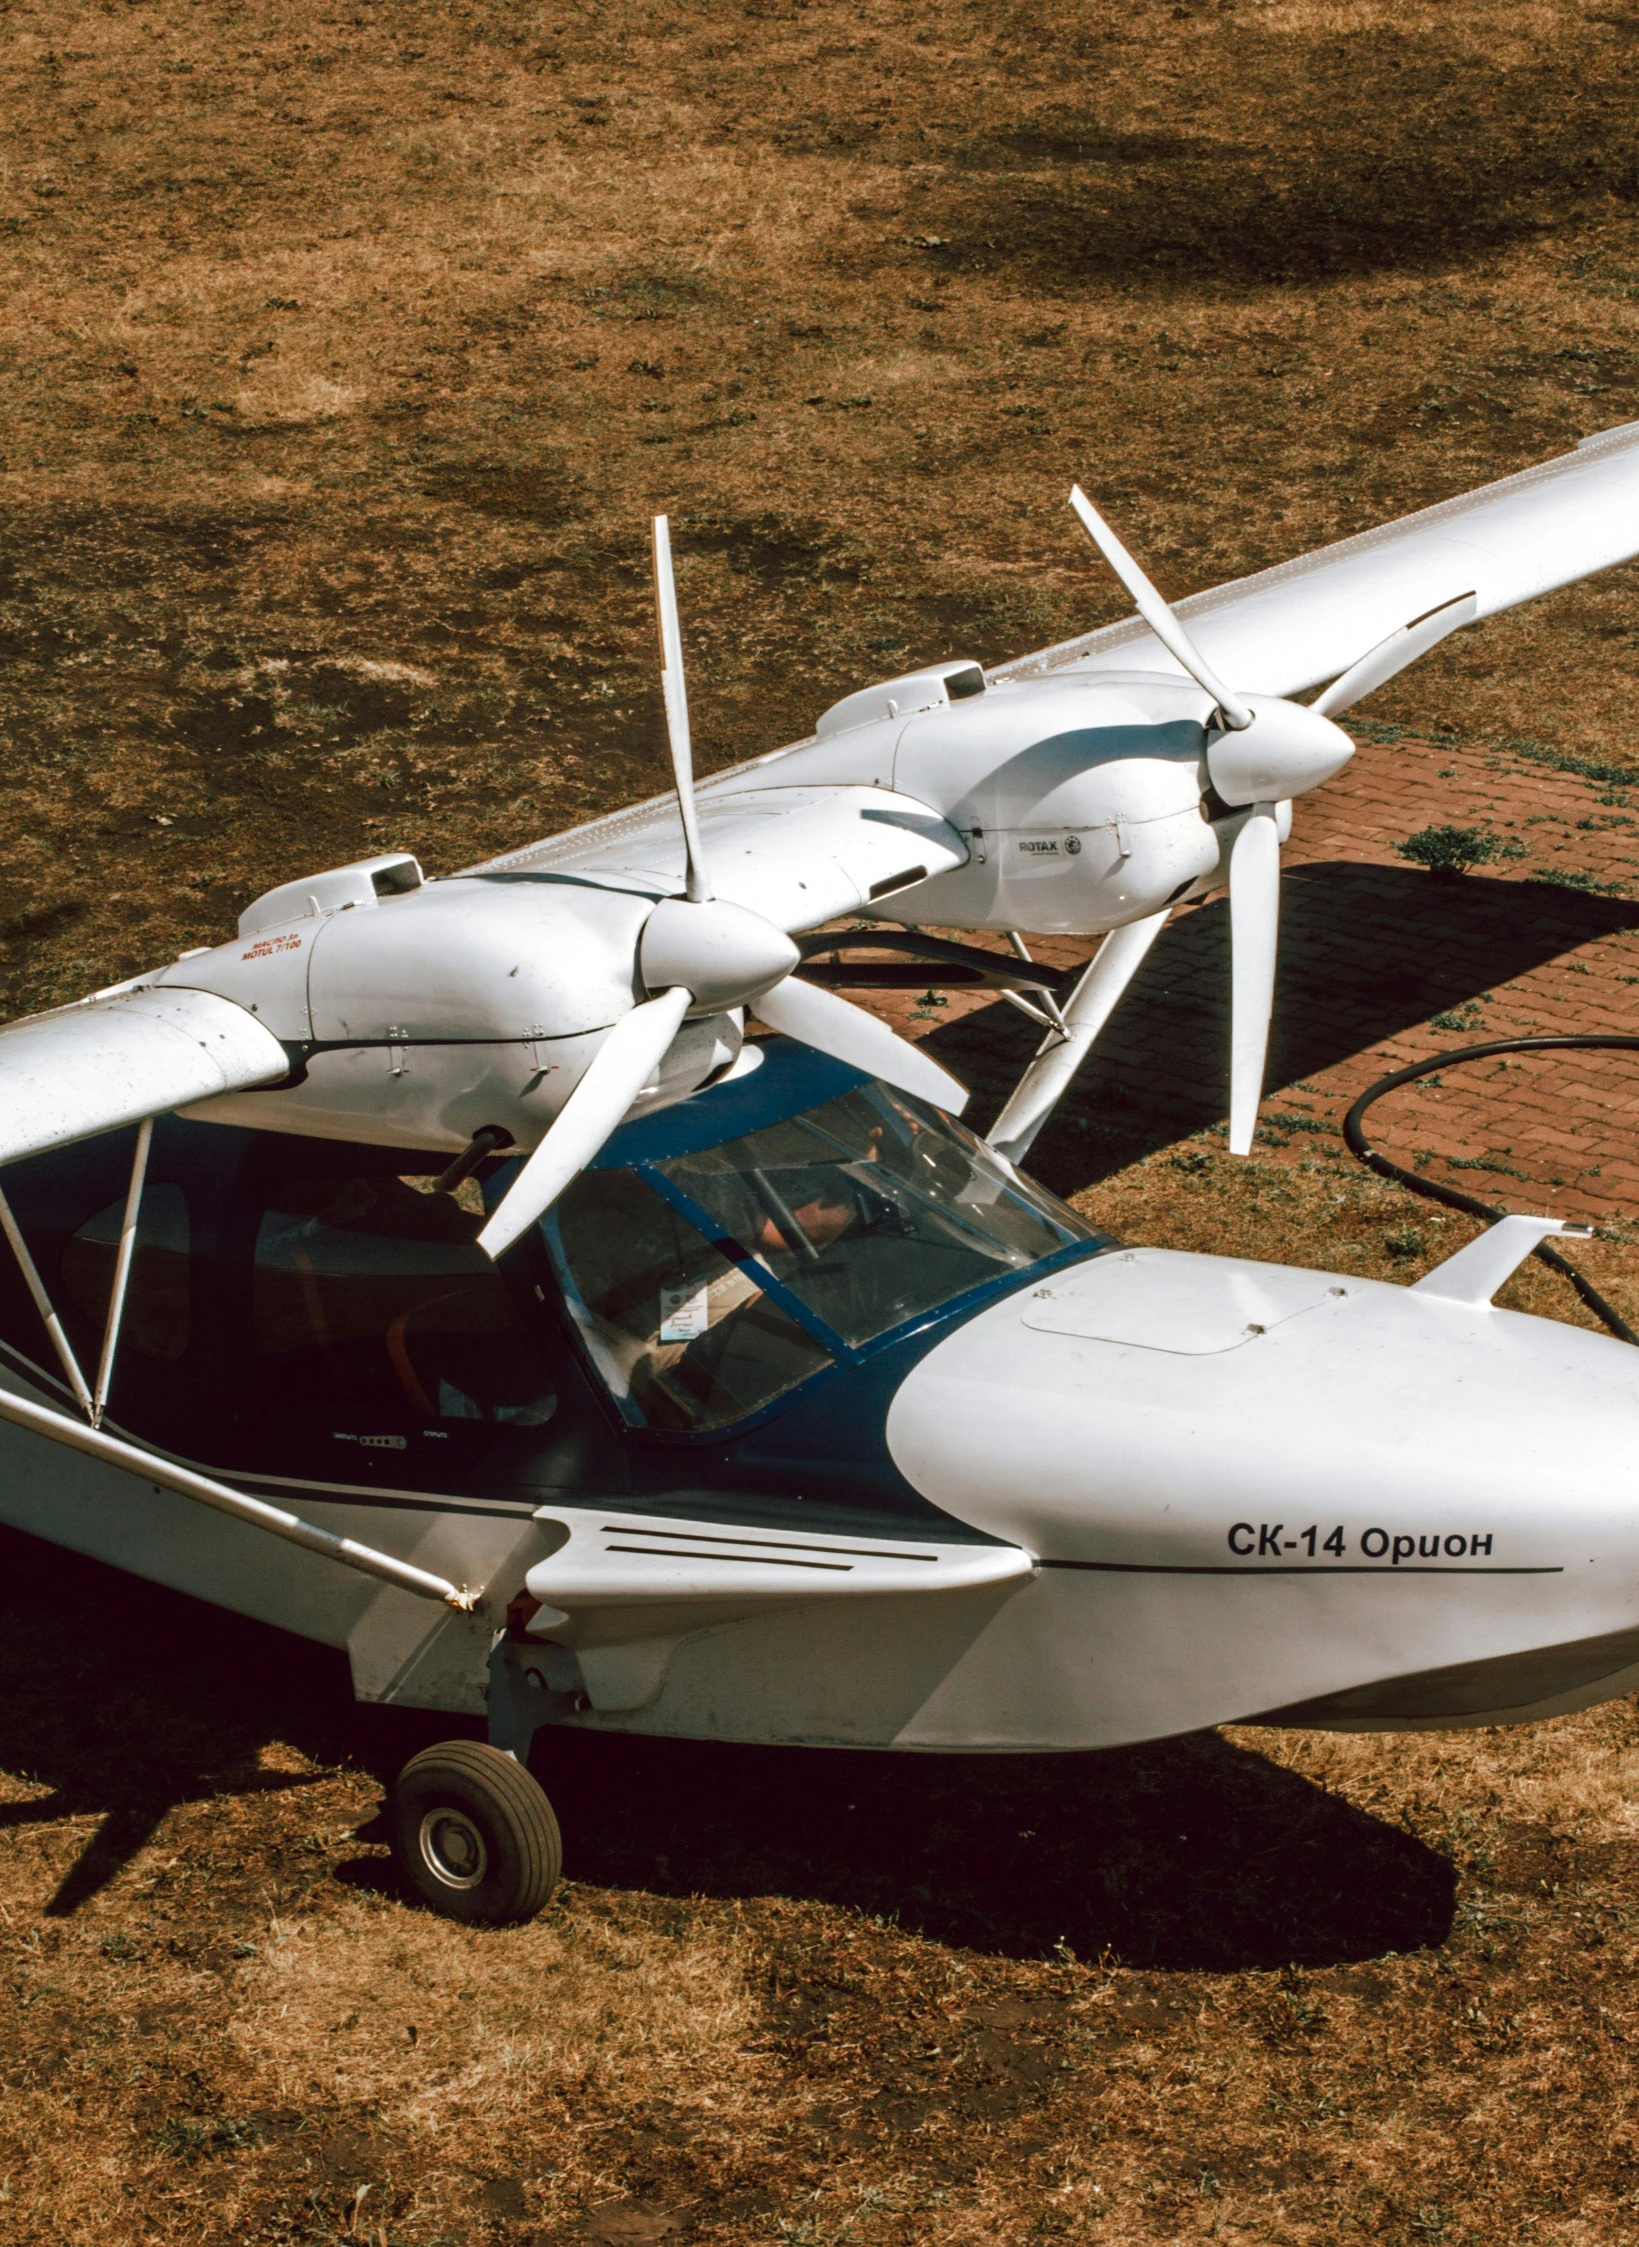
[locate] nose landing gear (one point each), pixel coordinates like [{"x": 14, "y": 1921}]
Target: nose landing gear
[{"x": 474, "y": 1836}]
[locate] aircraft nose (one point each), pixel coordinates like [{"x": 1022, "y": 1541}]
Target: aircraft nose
[
  {"x": 1252, "y": 1488},
  {"x": 1142, "y": 1404}
]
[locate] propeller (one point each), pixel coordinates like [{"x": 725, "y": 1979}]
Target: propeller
[
  {"x": 675, "y": 693},
  {"x": 1379, "y": 664},
  {"x": 704, "y": 954},
  {"x": 817, "y": 1017},
  {"x": 1254, "y": 923},
  {"x": 1262, "y": 750},
  {"x": 1233, "y": 712},
  {"x": 622, "y": 1065}
]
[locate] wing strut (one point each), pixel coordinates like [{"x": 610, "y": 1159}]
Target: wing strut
[
  {"x": 93, "y": 1406},
  {"x": 122, "y": 1269},
  {"x": 42, "y": 1303},
  {"x": 45, "y": 1420},
  {"x": 1047, "y": 1079}
]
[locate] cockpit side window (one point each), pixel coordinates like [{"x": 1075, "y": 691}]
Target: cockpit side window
[
  {"x": 371, "y": 1296},
  {"x": 686, "y": 1337},
  {"x": 157, "y": 1315}
]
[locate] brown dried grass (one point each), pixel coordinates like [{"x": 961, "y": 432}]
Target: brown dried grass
[{"x": 334, "y": 353}]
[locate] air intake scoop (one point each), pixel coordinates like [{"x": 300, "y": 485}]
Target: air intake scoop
[
  {"x": 365, "y": 883},
  {"x": 933, "y": 689}
]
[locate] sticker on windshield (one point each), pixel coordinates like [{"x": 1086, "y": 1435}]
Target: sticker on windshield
[{"x": 684, "y": 1313}]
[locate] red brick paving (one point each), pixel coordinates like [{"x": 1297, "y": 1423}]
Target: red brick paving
[{"x": 1371, "y": 949}]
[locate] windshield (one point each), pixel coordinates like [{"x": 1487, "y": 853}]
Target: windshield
[
  {"x": 708, "y": 1283},
  {"x": 874, "y": 1209}
]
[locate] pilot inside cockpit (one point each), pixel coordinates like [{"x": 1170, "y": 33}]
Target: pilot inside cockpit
[{"x": 711, "y": 1282}]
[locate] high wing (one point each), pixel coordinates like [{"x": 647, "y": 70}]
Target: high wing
[
  {"x": 127, "y": 1054},
  {"x": 1291, "y": 627},
  {"x": 800, "y": 856},
  {"x": 1281, "y": 631},
  {"x": 793, "y": 857}
]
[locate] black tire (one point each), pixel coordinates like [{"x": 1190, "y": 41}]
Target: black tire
[{"x": 473, "y": 1835}]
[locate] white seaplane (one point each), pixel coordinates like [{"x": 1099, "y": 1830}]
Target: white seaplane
[{"x": 438, "y": 1270}]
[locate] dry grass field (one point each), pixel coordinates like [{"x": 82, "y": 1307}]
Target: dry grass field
[{"x": 344, "y": 352}]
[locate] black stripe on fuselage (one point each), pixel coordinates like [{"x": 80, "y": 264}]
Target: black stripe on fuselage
[{"x": 1346, "y": 1568}]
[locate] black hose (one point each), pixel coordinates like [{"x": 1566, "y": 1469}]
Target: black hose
[{"x": 1354, "y": 1135}]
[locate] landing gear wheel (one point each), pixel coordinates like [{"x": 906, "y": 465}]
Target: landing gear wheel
[{"x": 473, "y": 1835}]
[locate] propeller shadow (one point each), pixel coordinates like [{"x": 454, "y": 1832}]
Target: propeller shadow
[
  {"x": 1366, "y": 953},
  {"x": 127, "y": 1701}
]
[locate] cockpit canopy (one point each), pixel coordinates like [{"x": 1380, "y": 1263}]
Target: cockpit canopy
[
  {"x": 292, "y": 1295},
  {"x": 798, "y": 1216}
]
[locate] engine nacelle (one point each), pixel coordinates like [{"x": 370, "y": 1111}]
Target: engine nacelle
[
  {"x": 462, "y": 1003},
  {"x": 1081, "y": 804}
]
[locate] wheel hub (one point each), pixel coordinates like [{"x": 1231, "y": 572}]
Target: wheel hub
[{"x": 453, "y": 1848}]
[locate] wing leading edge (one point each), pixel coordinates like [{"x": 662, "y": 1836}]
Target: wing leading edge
[
  {"x": 111, "y": 1061},
  {"x": 1291, "y": 627}
]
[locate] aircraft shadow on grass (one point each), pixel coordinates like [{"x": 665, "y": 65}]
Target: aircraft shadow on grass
[
  {"x": 127, "y": 1701},
  {"x": 1367, "y": 953}
]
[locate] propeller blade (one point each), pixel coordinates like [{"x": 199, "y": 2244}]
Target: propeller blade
[
  {"x": 620, "y": 1068},
  {"x": 1254, "y": 917},
  {"x": 677, "y": 707},
  {"x": 1379, "y": 664},
  {"x": 830, "y": 1024},
  {"x": 1157, "y": 615}
]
